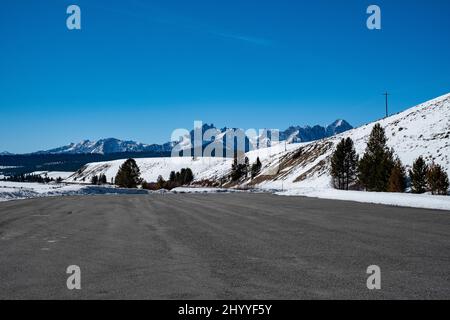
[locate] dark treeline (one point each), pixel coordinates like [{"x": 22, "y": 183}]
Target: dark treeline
[
  {"x": 31, "y": 178},
  {"x": 64, "y": 162},
  {"x": 242, "y": 169},
  {"x": 176, "y": 179}
]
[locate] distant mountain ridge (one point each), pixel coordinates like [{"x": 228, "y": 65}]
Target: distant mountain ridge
[
  {"x": 293, "y": 134},
  {"x": 107, "y": 146},
  {"x": 307, "y": 134}
]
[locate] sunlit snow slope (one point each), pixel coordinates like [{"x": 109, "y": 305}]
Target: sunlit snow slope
[{"x": 421, "y": 130}]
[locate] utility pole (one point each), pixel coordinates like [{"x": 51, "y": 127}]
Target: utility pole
[{"x": 387, "y": 95}]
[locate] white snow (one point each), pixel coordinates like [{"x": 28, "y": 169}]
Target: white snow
[
  {"x": 53, "y": 174},
  {"x": 207, "y": 190},
  {"x": 200, "y": 190},
  {"x": 25, "y": 190},
  {"x": 151, "y": 168},
  {"x": 394, "y": 199}
]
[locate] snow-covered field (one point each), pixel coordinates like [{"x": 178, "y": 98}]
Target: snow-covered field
[{"x": 23, "y": 190}]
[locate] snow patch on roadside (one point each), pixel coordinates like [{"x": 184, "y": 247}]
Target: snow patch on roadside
[
  {"x": 205, "y": 190},
  {"x": 426, "y": 201},
  {"x": 22, "y": 190}
]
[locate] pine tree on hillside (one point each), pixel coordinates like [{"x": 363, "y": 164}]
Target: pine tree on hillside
[
  {"x": 188, "y": 176},
  {"x": 397, "y": 180},
  {"x": 102, "y": 179},
  {"x": 173, "y": 176},
  {"x": 94, "y": 180},
  {"x": 256, "y": 168},
  {"x": 351, "y": 163},
  {"x": 343, "y": 164},
  {"x": 128, "y": 175},
  {"x": 437, "y": 180},
  {"x": 246, "y": 166},
  {"x": 182, "y": 176},
  {"x": 337, "y": 165},
  {"x": 374, "y": 169},
  {"x": 161, "y": 182},
  {"x": 238, "y": 168},
  {"x": 418, "y": 176}
]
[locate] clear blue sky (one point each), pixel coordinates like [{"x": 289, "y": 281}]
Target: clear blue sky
[{"x": 139, "y": 69}]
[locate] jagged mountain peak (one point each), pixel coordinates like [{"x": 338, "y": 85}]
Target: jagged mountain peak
[
  {"x": 114, "y": 145},
  {"x": 106, "y": 146}
]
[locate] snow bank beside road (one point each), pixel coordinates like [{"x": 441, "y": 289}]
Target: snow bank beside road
[
  {"x": 21, "y": 190},
  {"x": 426, "y": 201}
]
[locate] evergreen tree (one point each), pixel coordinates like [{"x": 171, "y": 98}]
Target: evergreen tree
[
  {"x": 418, "y": 176},
  {"x": 397, "y": 180},
  {"x": 343, "y": 164},
  {"x": 102, "y": 179},
  {"x": 350, "y": 163},
  {"x": 161, "y": 182},
  {"x": 173, "y": 176},
  {"x": 238, "y": 168},
  {"x": 256, "y": 168},
  {"x": 337, "y": 165},
  {"x": 437, "y": 180},
  {"x": 182, "y": 180},
  {"x": 246, "y": 166},
  {"x": 128, "y": 175},
  {"x": 94, "y": 180},
  {"x": 375, "y": 167},
  {"x": 189, "y": 176}
]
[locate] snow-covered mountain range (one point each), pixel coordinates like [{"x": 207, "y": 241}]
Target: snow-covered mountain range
[
  {"x": 423, "y": 130},
  {"x": 107, "y": 146},
  {"x": 112, "y": 145}
]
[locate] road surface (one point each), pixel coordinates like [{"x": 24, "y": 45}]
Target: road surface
[{"x": 220, "y": 246}]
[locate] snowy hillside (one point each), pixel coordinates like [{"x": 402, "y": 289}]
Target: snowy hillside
[
  {"x": 151, "y": 168},
  {"x": 53, "y": 174},
  {"x": 422, "y": 130}
]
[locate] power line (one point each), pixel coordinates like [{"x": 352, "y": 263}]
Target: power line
[{"x": 386, "y": 94}]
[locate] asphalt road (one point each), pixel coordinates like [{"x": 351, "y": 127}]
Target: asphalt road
[{"x": 231, "y": 246}]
